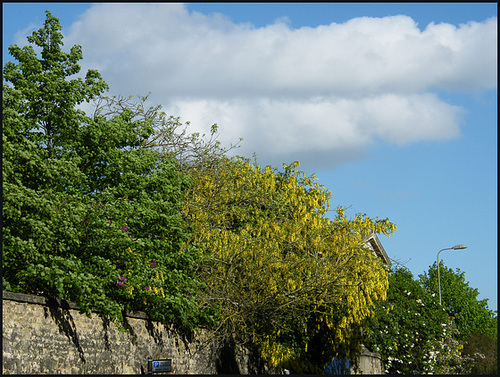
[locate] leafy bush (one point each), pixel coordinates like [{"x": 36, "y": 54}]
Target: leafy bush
[
  {"x": 412, "y": 332},
  {"x": 89, "y": 215}
]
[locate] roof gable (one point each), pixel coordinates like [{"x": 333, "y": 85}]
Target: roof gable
[{"x": 373, "y": 243}]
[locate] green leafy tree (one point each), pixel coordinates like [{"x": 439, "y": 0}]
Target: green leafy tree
[
  {"x": 412, "y": 332},
  {"x": 89, "y": 213},
  {"x": 460, "y": 301},
  {"x": 476, "y": 323}
]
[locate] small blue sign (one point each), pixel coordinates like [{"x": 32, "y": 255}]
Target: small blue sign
[{"x": 159, "y": 366}]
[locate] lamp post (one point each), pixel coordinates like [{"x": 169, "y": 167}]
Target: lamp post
[{"x": 456, "y": 247}]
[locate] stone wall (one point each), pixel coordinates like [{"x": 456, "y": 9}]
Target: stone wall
[{"x": 44, "y": 336}]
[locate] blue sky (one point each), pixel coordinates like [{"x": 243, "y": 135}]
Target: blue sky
[{"x": 392, "y": 106}]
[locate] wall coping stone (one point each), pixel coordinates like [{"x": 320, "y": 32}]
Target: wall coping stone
[{"x": 41, "y": 300}]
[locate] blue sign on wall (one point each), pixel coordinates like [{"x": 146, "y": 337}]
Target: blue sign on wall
[{"x": 159, "y": 366}]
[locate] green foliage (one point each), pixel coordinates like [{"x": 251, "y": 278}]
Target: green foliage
[
  {"x": 461, "y": 302},
  {"x": 41, "y": 92},
  {"x": 476, "y": 323},
  {"x": 89, "y": 214},
  {"x": 412, "y": 332},
  {"x": 416, "y": 335}
]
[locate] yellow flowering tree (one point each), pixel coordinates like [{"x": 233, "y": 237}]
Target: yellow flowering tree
[{"x": 282, "y": 274}]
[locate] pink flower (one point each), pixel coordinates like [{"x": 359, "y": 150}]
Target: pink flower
[
  {"x": 153, "y": 265},
  {"x": 121, "y": 280},
  {"x": 85, "y": 221},
  {"x": 147, "y": 288},
  {"x": 125, "y": 228}
]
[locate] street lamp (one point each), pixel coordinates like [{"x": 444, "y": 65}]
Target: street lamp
[{"x": 456, "y": 247}]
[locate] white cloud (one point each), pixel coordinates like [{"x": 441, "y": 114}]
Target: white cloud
[
  {"x": 323, "y": 93},
  {"x": 20, "y": 36},
  {"x": 283, "y": 130}
]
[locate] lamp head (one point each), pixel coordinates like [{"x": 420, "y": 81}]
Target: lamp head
[{"x": 459, "y": 247}]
